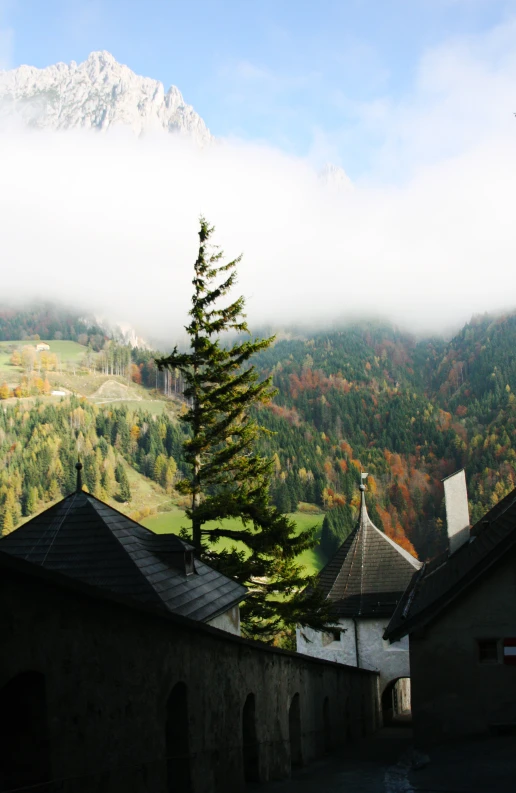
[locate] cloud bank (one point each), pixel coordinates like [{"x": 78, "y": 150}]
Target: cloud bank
[{"x": 426, "y": 238}]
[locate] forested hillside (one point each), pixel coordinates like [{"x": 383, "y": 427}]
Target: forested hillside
[
  {"x": 365, "y": 397},
  {"x": 39, "y": 445},
  {"x": 49, "y": 321},
  {"x": 408, "y": 412}
]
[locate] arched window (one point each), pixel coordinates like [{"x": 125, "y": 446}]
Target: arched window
[
  {"x": 24, "y": 735},
  {"x": 326, "y": 725},
  {"x": 177, "y": 741},
  {"x": 294, "y": 728},
  {"x": 250, "y": 741}
]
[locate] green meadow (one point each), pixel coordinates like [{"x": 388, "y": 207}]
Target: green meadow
[
  {"x": 67, "y": 351},
  {"x": 173, "y": 521}
]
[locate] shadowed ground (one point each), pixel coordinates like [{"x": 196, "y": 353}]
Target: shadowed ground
[
  {"x": 358, "y": 768},
  {"x": 482, "y": 765},
  {"x": 380, "y": 765}
]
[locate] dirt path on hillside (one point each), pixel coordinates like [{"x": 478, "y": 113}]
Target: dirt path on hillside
[{"x": 113, "y": 391}]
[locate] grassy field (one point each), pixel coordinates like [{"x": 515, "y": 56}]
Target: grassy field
[
  {"x": 69, "y": 352},
  {"x": 6, "y": 350},
  {"x": 173, "y": 521},
  {"x": 105, "y": 390},
  {"x": 5, "y": 367},
  {"x": 154, "y": 406},
  {"x": 144, "y": 493}
]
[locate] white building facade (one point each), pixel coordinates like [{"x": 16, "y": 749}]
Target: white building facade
[
  {"x": 391, "y": 660},
  {"x": 364, "y": 581}
]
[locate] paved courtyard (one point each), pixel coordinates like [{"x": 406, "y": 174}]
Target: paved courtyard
[
  {"x": 380, "y": 765},
  {"x": 482, "y": 765},
  {"x": 358, "y": 768}
]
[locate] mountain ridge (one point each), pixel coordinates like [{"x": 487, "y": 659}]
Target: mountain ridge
[{"x": 98, "y": 93}]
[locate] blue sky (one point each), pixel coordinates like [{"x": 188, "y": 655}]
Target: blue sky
[
  {"x": 296, "y": 74},
  {"x": 415, "y": 99}
]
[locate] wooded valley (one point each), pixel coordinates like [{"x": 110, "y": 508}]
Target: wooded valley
[{"x": 365, "y": 397}]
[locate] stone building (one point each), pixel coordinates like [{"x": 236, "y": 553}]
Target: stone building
[
  {"x": 115, "y": 675},
  {"x": 86, "y": 539},
  {"x": 459, "y": 613},
  {"x": 364, "y": 582},
  {"x": 100, "y": 691}
]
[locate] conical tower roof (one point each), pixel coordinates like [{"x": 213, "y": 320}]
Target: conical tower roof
[
  {"x": 88, "y": 540},
  {"x": 369, "y": 573}
]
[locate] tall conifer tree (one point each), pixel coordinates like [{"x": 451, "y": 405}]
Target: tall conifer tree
[{"x": 228, "y": 479}]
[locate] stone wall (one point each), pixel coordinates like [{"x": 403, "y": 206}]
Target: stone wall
[
  {"x": 135, "y": 699},
  {"x": 390, "y": 660},
  {"x": 453, "y": 694},
  {"x": 403, "y": 697}
]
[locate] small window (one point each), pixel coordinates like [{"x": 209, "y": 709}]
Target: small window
[
  {"x": 488, "y": 651},
  {"x": 330, "y": 636}
]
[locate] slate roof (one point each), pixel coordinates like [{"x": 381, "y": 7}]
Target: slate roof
[
  {"x": 440, "y": 581},
  {"x": 88, "y": 540},
  {"x": 369, "y": 573}
]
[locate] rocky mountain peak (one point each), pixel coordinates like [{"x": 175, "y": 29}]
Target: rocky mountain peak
[
  {"x": 98, "y": 93},
  {"x": 335, "y": 177}
]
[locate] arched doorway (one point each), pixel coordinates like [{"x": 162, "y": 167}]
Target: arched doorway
[
  {"x": 250, "y": 741},
  {"x": 326, "y": 725},
  {"x": 294, "y": 731},
  {"x": 24, "y": 735},
  {"x": 177, "y": 741},
  {"x": 396, "y": 708}
]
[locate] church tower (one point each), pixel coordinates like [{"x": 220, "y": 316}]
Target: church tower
[{"x": 364, "y": 581}]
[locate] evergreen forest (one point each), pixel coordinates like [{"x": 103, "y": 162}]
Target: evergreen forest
[{"x": 365, "y": 397}]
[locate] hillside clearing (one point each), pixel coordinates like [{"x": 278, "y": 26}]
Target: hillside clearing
[{"x": 69, "y": 353}]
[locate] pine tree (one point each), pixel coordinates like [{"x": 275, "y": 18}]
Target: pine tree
[
  {"x": 227, "y": 478},
  {"x": 170, "y": 474},
  {"x": 7, "y": 522},
  {"x": 11, "y": 512},
  {"x": 124, "y": 493}
]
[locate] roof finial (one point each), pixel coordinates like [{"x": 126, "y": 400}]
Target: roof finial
[
  {"x": 363, "y": 507},
  {"x": 78, "y": 468}
]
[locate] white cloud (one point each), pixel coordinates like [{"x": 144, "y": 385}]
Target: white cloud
[
  {"x": 111, "y": 222},
  {"x": 464, "y": 95}
]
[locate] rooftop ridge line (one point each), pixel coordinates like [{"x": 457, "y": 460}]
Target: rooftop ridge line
[
  {"x": 51, "y": 525},
  {"x": 148, "y": 583}
]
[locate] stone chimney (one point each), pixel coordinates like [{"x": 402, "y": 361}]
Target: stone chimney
[{"x": 457, "y": 512}]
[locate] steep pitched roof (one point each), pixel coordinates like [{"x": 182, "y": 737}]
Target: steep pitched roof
[
  {"x": 369, "y": 573},
  {"x": 440, "y": 581},
  {"x": 86, "y": 539}
]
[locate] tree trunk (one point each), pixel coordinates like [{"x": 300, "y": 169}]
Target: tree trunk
[{"x": 196, "y": 523}]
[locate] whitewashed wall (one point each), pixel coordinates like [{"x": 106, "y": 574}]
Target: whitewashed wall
[
  {"x": 391, "y": 660},
  {"x": 229, "y": 621}
]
